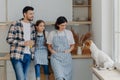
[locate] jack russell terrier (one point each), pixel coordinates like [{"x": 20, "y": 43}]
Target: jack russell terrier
[{"x": 102, "y": 60}]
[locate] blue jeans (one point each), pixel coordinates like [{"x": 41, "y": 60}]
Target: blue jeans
[
  {"x": 37, "y": 70},
  {"x": 21, "y": 67}
]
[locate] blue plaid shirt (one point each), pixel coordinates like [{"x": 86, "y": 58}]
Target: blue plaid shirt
[{"x": 16, "y": 40}]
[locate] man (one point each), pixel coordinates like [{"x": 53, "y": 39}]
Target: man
[{"x": 21, "y": 37}]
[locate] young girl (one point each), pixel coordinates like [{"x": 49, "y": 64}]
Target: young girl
[
  {"x": 41, "y": 52},
  {"x": 61, "y": 43}
]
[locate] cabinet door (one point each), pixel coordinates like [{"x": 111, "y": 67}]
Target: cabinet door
[
  {"x": 2, "y": 10},
  {"x": 2, "y": 73},
  {"x": 82, "y": 69},
  {"x": 9, "y": 71},
  {"x": 2, "y": 70}
]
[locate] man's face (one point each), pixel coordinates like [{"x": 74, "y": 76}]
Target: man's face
[{"x": 29, "y": 15}]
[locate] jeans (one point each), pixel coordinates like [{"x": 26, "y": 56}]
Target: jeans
[
  {"x": 21, "y": 67},
  {"x": 37, "y": 70}
]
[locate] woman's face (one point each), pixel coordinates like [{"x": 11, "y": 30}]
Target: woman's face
[
  {"x": 40, "y": 27},
  {"x": 62, "y": 26}
]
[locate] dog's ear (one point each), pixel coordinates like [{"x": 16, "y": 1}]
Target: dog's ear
[{"x": 88, "y": 43}]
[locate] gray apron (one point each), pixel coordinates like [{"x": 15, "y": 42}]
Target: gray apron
[
  {"x": 61, "y": 62},
  {"x": 41, "y": 53}
]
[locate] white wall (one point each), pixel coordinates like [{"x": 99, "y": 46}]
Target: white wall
[
  {"x": 102, "y": 24},
  {"x": 44, "y": 9},
  {"x": 97, "y": 22},
  {"x": 2, "y": 11},
  {"x": 4, "y": 47},
  {"x": 107, "y": 26}
]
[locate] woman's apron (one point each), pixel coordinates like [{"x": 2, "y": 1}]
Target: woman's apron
[
  {"x": 61, "y": 62},
  {"x": 41, "y": 52}
]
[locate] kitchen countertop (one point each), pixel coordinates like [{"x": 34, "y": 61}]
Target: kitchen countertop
[
  {"x": 6, "y": 56},
  {"x": 106, "y": 74}
]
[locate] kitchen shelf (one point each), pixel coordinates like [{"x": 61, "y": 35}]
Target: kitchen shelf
[
  {"x": 79, "y": 10},
  {"x": 52, "y": 23},
  {"x": 7, "y": 57},
  {"x": 81, "y": 5},
  {"x": 79, "y": 22},
  {"x": 72, "y": 22}
]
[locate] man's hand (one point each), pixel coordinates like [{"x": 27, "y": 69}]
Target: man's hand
[{"x": 29, "y": 43}]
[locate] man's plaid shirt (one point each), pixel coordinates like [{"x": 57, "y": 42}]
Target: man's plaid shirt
[{"x": 16, "y": 40}]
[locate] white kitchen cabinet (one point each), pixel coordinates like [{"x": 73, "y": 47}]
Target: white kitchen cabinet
[{"x": 81, "y": 70}]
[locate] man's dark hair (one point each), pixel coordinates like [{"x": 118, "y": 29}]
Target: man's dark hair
[{"x": 27, "y": 8}]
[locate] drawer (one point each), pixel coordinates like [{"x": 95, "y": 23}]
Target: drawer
[{"x": 2, "y": 63}]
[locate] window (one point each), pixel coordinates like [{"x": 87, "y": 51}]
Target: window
[{"x": 117, "y": 30}]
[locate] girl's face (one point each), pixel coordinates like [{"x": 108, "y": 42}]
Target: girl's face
[
  {"x": 40, "y": 27},
  {"x": 62, "y": 26}
]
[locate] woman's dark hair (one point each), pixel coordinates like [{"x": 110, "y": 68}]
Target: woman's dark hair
[
  {"x": 59, "y": 21},
  {"x": 37, "y": 24},
  {"x": 27, "y": 8}
]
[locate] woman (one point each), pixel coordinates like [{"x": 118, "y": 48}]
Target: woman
[{"x": 60, "y": 44}]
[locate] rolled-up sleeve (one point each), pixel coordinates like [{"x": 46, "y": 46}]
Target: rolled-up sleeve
[{"x": 70, "y": 38}]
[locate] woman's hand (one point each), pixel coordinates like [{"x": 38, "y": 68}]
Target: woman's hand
[{"x": 67, "y": 51}]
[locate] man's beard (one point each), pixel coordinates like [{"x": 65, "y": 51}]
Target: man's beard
[{"x": 30, "y": 19}]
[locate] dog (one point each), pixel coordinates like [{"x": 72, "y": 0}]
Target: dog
[{"x": 102, "y": 60}]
